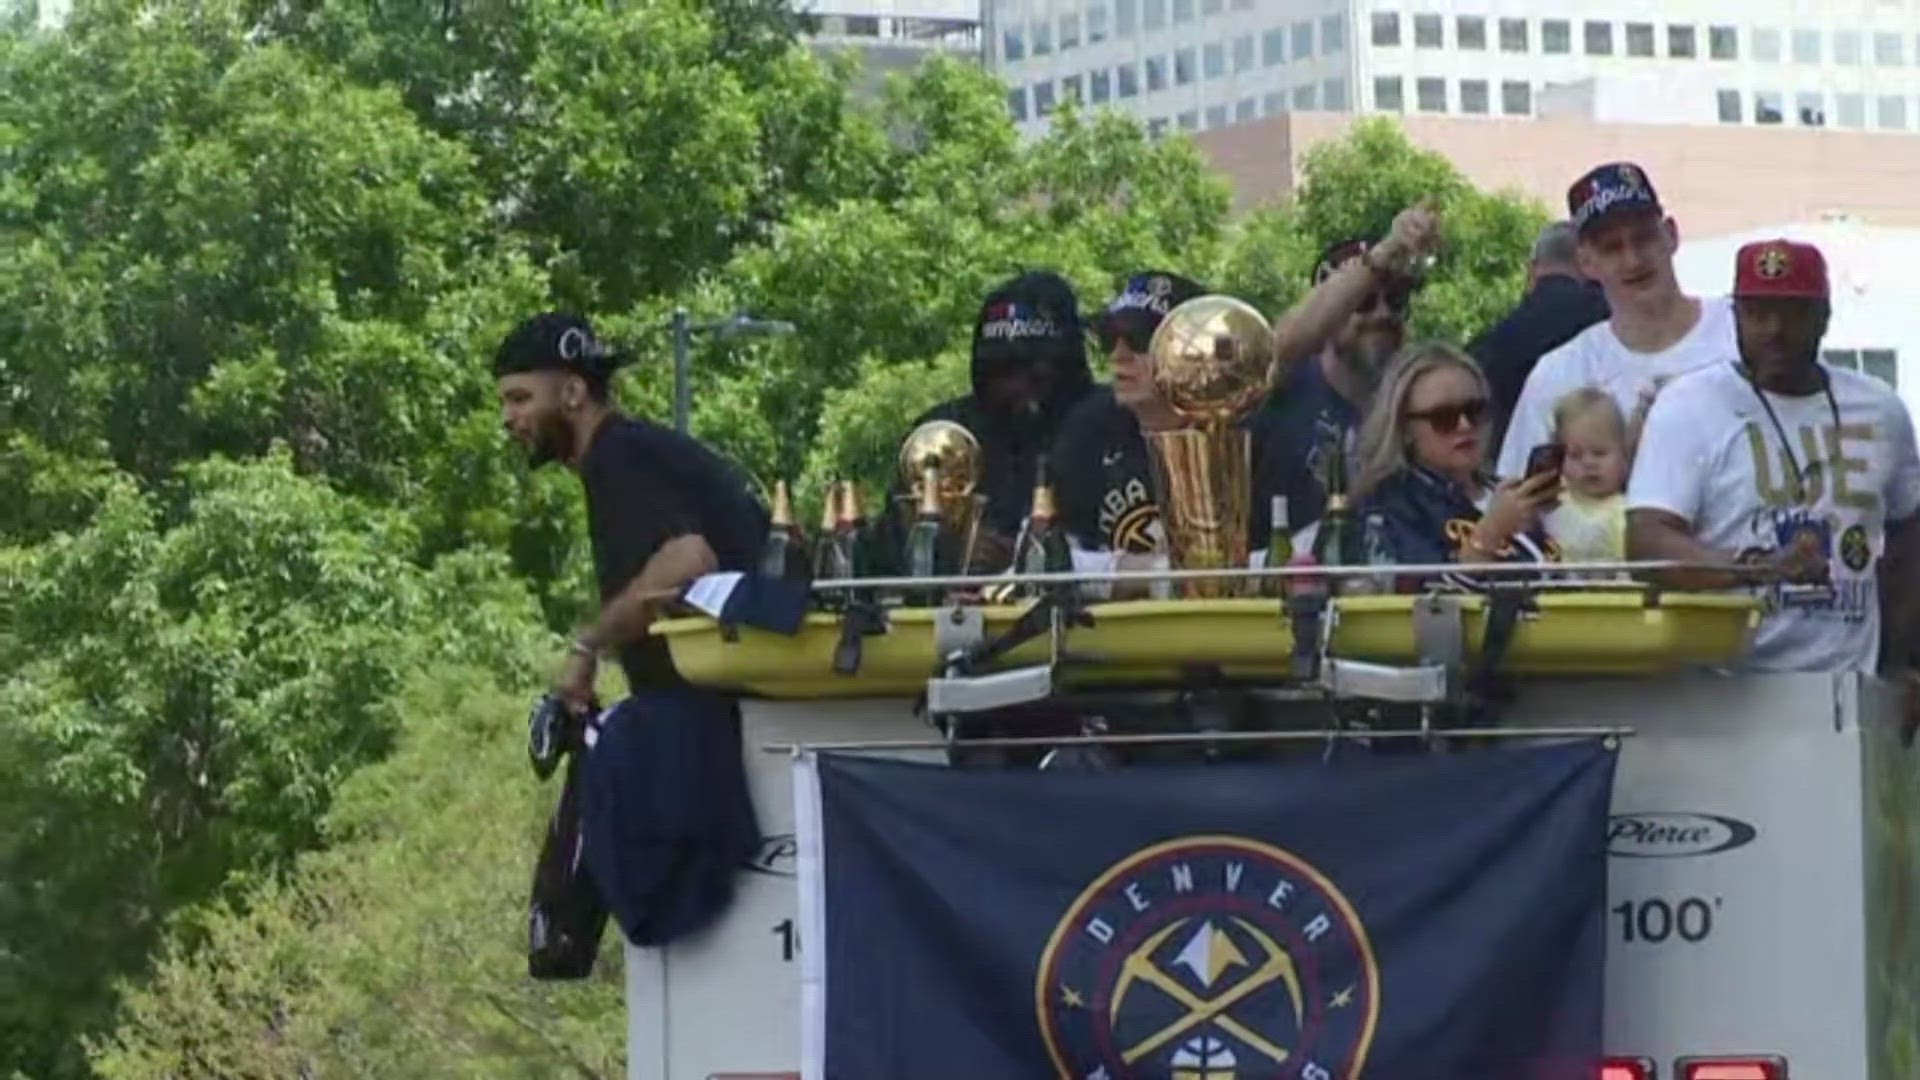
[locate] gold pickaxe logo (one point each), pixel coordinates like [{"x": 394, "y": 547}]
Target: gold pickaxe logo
[{"x": 1220, "y": 954}]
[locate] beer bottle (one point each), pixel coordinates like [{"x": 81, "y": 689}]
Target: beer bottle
[
  {"x": 1333, "y": 543},
  {"x": 1045, "y": 551},
  {"x": 924, "y": 538},
  {"x": 780, "y": 556}
]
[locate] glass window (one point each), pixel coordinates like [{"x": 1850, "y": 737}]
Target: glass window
[
  {"x": 1891, "y": 111},
  {"x": 1217, "y": 116},
  {"x": 1243, "y": 53},
  {"x": 1126, "y": 15},
  {"x": 1100, "y": 85},
  {"x": 1306, "y": 97},
  {"x": 1128, "y": 77},
  {"x": 1212, "y": 7},
  {"x": 1388, "y": 95},
  {"x": 1723, "y": 43},
  {"x": 1243, "y": 5},
  {"x": 1846, "y": 47},
  {"x": 1556, "y": 36},
  {"x": 1766, "y": 44},
  {"x": 1680, "y": 43},
  {"x": 1513, "y": 35},
  {"x": 1432, "y": 94},
  {"x": 1333, "y": 35},
  {"x": 1811, "y": 107},
  {"x": 1639, "y": 39},
  {"x": 1386, "y": 28},
  {"x": 1516, "y": 98},
  {"x": 1213, "y": 61},
  {"x": 1190, "y": 120},
  {"x": 1599, "y": 38},
  {"x": 1333, "y": 95},
  {"x": 1017, "y": 103},
  {"x": 1473, "y": 96},
  {"x": 1156, "y": 73},
  {"x": 1182, "y": 12},
  {"x": 1069, "y": 32},
  {"x": 1245, "y": 109},
  {"x": 1013, "y": 45},
  {"x": 1850, "y": 110},
  {"x": 1302, "y": 40},
  {"x": 1042, "y": 98},
  {"x": 1042, "y": 38},
  {"x": 1070, "y": 89},
  {"x": 1153, "y": 14},
  {"x": 1470, "y": 32},
  {"x": 1889, "y": 50},
  {"x": 1096, "y": 25},
  {"x": 1806, "y": 46},
  {"x": 1732, "y": 109},
  {"x": 1882, "y": 364},
  {"x": 1182, "y": 67},
  {"x": 1767, "y": 107},
  {"x": 1428, "y": 32},
  {"x": 1275, "y": 102},
  {"x": 1273, "y": 46}
]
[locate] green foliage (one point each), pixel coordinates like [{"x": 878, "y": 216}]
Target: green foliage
[
  {"x": 181, "y": 703},
  {"x": 399, "y": 951}
]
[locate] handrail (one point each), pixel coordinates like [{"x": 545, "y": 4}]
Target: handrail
[
  {"x": 1590, "y": 732},
  {"x": 1242, "y": 573}
]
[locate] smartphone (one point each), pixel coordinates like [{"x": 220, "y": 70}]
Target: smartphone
[{"x": 1546, "y": 458}]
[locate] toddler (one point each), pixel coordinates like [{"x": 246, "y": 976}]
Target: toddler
[{"x": 1590, "y": 523}]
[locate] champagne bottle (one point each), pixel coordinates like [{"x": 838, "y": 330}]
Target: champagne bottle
[
  {"x": 826, "y": 541},
  {"x": 1045, "y": 550},
  {"x": 1279, "y": 544},
  {"x": 1333, "y": 542},
  {"x": 924, "y": 538},
  {"x": 780, "y": 556},
  {"x": 846, "y": 531}
]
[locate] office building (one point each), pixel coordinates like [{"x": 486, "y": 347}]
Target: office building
[{"x": 1203, "y": 64}]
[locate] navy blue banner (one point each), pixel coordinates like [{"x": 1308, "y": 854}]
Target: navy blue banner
[{"x": 1401, "y": 918}]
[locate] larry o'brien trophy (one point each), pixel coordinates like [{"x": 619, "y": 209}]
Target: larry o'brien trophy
[
  {"x": 1211, "y": 361},
  {"x": 940, "y": 475}
]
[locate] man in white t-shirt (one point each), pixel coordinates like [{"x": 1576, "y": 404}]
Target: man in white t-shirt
[
  {"x": 1806, "y": 473},
  {"x": 1654, "y": 330}
]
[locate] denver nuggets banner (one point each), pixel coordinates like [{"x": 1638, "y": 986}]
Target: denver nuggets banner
[{"x": 1395, "y": 918}]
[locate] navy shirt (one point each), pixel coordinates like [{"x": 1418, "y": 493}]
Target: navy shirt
[
  {"x": 645, "y": 486},
  {"x": 1294, "y": 430}
]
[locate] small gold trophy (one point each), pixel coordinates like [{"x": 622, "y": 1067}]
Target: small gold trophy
[
  {"x": 946, "y": 454},
  {"x": 1211, "y": 360}
]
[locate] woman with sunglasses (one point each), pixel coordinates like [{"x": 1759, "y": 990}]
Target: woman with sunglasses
[{"x": 1423, "y": 451}]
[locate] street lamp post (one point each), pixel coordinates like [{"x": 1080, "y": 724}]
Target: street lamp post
[{"x": 683, "y": 328}]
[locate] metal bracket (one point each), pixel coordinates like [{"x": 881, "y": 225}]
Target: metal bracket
[
  {"x": 1439, "y": 631},
  {"x": 1426, "y": 684},
  {"x": 957, "y": 629},
  {"x": 983, "y": 693}
]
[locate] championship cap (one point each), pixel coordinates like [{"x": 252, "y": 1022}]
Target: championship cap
[
  {"x": 1145, "y": 300},
  {"x": 1780, "y": 269},
  {"x": 556, "y": 341},
  {"x": 1340, "y": 255},
  {"x": 1618, "y": 185}
]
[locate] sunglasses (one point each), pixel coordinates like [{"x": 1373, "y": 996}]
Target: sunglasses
[
  {"x": 1137, "y": 338},
  {"x": 1449, "y": 416}
]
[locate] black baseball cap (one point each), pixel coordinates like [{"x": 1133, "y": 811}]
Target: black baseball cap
[
  {"x": 1143, "y": 302},
  {"x": 557, "y": 341},
  {"x": 1608, "y": 189}
]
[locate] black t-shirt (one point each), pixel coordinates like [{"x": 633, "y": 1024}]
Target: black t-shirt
[
  {"x": 1103, "y": 480},
  {"x": 645, "y": 486}
]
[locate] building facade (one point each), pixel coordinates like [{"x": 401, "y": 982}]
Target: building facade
[{"x": 1202, "y": 64}]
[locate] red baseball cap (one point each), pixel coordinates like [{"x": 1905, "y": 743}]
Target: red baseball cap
[{"x": 1780, "y": 268}]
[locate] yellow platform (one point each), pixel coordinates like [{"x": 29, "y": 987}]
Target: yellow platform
[{"x": 1147, "y": 642}]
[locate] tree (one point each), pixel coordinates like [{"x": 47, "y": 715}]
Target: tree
[{"x": 181, "y": 702}]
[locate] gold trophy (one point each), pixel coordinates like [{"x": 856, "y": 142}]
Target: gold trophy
[
  {"x": 1211, "y": 361},
  {"x": 946, "y": 455}
]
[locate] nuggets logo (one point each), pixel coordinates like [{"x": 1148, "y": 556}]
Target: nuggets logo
[
  {"x": 1772, "y": 263},
  {"x": 1631, "y": 179},
  {"x": 1855, "y": 550},
  {"x": 1209, "y": 958}
]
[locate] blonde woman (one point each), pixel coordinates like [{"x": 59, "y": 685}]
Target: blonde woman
[{"x": 1423, "y": 467}]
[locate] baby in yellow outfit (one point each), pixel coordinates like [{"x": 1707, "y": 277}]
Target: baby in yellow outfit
[{"x": 1590, "y": 524}]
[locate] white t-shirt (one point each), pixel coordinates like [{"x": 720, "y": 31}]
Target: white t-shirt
[
  {"x": 1596, "y": 357},
  {"x": 1711, "y": 455}
]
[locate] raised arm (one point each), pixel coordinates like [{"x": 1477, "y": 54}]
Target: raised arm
[{"x": 1306, "y": 326}]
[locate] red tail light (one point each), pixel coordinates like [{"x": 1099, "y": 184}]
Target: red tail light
[
  {"x": 1623, "y": 1068},
  {"x": 1733, "y": 1067}
]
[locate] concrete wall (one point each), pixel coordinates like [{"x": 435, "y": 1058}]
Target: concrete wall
[{"x": 1715, "y": 180}]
